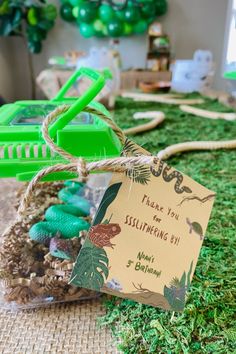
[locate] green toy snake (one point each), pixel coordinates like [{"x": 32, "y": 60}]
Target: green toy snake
[{"x": 63, "y": 221}]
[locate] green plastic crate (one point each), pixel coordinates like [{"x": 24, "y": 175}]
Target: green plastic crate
[{"x": 23, "y": 151}]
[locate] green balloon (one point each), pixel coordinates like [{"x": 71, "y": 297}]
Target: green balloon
[
  {"x": 128, "y": 29},
  {"x": 106, "y": 21},
  {"x": 106, "y": 13},
  {"x": 115, "y": 28},
  {"x": 140, "y": 27},
  {"x": 120, "y": 15},
  {"x": 105, "y": 31},
  {"x": 161, "y": 7},
  {"x": 66, "y": 12},
  {"x": 87, "y": 12},
  {"x": 75, "y": 11},
  {"x": 151, "y": 20},
  {"x": 75, "y": 2},
  {"x": 148, "y": 10},
  {"x": 99, "y": 34},
  {"x": 49, "y": 12},
  {"x": 98, "y": 26},
  {"x": 86, "y": 30},
  {"x": 132, "y": 14}
]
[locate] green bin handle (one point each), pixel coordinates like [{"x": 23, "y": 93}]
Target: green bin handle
[{"x": 98, "y": 79}]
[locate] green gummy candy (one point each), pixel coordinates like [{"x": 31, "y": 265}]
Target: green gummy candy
[
  {"x": 64, "y": 220},
  {"x": 74, "y": 184},
  {"x": 68, "y": 229},
  {"x": 41, "y": 232},
  {"x": 81, "y": 203},
  {"x": 62, "y": 212},
  {"x": 75, "y": 200}
]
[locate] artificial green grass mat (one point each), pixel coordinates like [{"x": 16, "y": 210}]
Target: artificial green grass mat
[{"x": 208, "y": 323}]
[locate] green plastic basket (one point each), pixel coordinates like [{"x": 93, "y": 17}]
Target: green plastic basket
[
  {"x": 23, "y": 152},
  {"x": 231, "y": 75}
]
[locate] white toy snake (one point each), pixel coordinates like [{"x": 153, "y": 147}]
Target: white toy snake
[{"x": 158, "y": 117}]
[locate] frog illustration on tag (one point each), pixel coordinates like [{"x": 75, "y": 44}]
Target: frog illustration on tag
[{"x": 101, "y": 234}]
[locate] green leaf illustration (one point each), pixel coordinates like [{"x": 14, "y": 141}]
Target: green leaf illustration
[
  {"x": 176, "y": 292},
  {"x": 139, "y": 174},
  {"x": 176, "y": 303},
  {"x": 108, "y": 198},
  {"x": 189, "y": 275},
  {"x": 175, "y": 282},
  {"x": 91, "y": 269},
  {"x": 183, "y": 280},
  {"x": 130, "y": 148}
]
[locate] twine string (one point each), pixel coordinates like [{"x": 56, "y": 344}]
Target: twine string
[
  {"x": 78, "y": 164},
  {"x": 82, "y": 169},
  {"x": 54, "y": 115},
  {"x": 120, "y": 164}
]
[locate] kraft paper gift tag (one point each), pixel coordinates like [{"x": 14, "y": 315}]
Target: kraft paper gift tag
[{"x": 146, "y": 237}]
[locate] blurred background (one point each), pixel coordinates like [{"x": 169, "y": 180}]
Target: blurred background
[{"x": 190, "y": 25}]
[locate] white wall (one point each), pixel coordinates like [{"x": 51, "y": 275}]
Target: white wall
[
  {"x": 191, "y": 25},
  {"x": 230, "y": 44},
  {"x": 6, "y": 78},
  {"x": 198, "y": 24}
]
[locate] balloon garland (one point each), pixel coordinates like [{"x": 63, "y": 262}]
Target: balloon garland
[
  {"x": 112, "y": 18},
  {"x": 28, "y": 19}
]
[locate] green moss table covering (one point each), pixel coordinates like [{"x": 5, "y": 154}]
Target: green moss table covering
[{"x": 208, "y": 323}]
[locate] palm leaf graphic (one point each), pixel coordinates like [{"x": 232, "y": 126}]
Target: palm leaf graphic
[
  {"x": 107, "y": 199},
  {"x": 130, "y": 149},
  {"x": 139, "y": 174},
  {"x": 91, "y": 269},
  {"x": 175, "y": 282}
]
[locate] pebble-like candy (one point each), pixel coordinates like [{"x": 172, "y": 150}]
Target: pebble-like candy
[{"x": 61, "y": 248}]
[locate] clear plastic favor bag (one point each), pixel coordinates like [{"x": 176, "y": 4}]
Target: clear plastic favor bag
[{"x": 38, "y": 252}]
